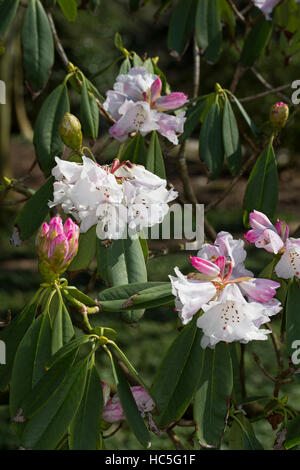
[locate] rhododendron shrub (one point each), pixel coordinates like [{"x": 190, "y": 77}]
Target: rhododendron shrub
[{"x": 92, "y": 214}]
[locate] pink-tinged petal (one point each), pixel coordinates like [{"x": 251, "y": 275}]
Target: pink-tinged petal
[
  {"x": 156, "y": 89},
  {"x": 59, "y": 247},
  {"x": 172, "y": 101},
  {"x": 113, "y": 411},
  {"x": 113, "y": 102},
  {"x": 56, "y": 226},
  {"x": 270, "y": 241},
  {"x": 142, "y": 398},
  {"x": 266, "y": 6},
  {"x": 70, "y": 226},
  {"x": 252, "y": 236},
  {"x": 169, "y": 126},
  {"x": 205, "y": 267},
  {"x": 260, "y": 290},
  {"x": 260, "y": 221},
  {"x": 44, "y": 229},
  {"x": 221, "y": 263},
  {"x": 282, "y": 229}
]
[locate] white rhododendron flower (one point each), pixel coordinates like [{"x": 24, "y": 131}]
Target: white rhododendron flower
[
  {"x": 233, "y": 307},
  {"x": 110, "y": 196},
  {"x": 266, "y": 6},
  {"x": 136, "y": 105},
  {"x": 275, "y": 239}
]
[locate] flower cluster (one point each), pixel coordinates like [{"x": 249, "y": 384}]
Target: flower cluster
[
  {"x": 113, "y": 411},
  {"x": 275, "y": 239},
  {"x": 56, "y": 244},
  {"x": 110, "y": 196},
  {"x": 234, "y": 303},
  {"x": 136, "y": 105}
]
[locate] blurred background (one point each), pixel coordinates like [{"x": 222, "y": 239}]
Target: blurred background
[{"x": 89, "y": 44}]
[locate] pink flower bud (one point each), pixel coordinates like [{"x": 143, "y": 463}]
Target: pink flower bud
[
  {"x": 205, "y": 267},
  {"x": 279, "y": 115},
  {"x": 56, "y": 244},
  {"x": 113, "y": 411}
]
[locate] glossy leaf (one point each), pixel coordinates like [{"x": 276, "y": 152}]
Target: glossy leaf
[
  {"x": 69, "y": 8},
  {"x": 135, "y": 151},
  {"x": 155, "y": 162},
  {"x": 181, "y": 25},
  {"x": 256, "y": 42},
  {"x": 63, "y": 330},
  {"x": 262, "y": 188},
  {"x": 85, "y": 427},
  {"x": 211, "y": 149},
  {"x": 231, "y": 139},
  {"x": 208, "y": 28},
  {"x": 33, "y": 213},
  {"x": 86, "y": 250},
  {"x": 193, "y": 118},
  {"x": 38, "y": 46},
  {"x": 245, "y": 115},
  {"x": 89, "y": 112},
  {"x": 47, "y": 140},
  {"x": 7, "y": 14},
  {"x": 212, "y": 399},
  {"x": 242, "y": 436},
  {"x": 177, "y": 378}
]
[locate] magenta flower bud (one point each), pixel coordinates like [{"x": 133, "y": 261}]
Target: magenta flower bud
[
  {"x": 279, "y": 114},
  {"x": 283, "y": 230},
  {"x": 205, "y": 267},
  {"x": 156, "y": 89},
  {"x": 57, "y": 245},
  {"x": 172, "y": 101}
]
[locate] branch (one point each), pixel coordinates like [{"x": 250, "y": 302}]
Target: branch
[
  {"x": 271, "y": 91},
  {"x": 239, "y": 15}
]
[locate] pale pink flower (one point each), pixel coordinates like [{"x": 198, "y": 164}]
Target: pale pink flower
[
  {"x": 136, "y": 105},
  {"x": 113, "y": 411},
  {"x": 266, "y": 6},
  {"x": 234, "y": 308}
]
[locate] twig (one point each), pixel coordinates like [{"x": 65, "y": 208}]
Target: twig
[
  {"x": 266, "y": 373},
  {"x": 268, "y": 85},
  {"x": 113, "y": 432},
  {"x": 236, "y": 11},
  {"x": 58, "y": 44},
  {"x": 273, "y": 91},
  {"x": 175, "y": 439},
  {"x": 239, "y": 72},
  {"x": 14, "y": 203},
  {"x": 276, "y": 346}
]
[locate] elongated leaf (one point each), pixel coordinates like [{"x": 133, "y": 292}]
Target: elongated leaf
[
  {"x": 86, "y": 250},
  {"x": 69, "y": 8},
  {"x": 181, "y": 25},
  {"x": 12, "y": 336},
  {"x": 7, "y": 13},
  {"x": 262, "y": 188},
  {"x": 211, "y": 149},
  {"x": 47, "y": 426},
  {"x": 242, "y": 436},
  {"x": 131, "y": 411},
  {"x": 123, "y": 263},
  {"x": 32, "y": 355},
  {"x": 38, "y": 45},
  {"x": 208, "y": 28},
  {"x": 80, "y": 296},
  {"x": 131, "y": 296},
  {"x": 89, "y": 112},
  {"x": 212, "y": 399},
  {"x": 47, "y": 140},
  {"x": 63, "y": 330},
  {"x": 32, "y": 215},
  {"x": 245, "y": 115},
  {"x": 155, "y": 162},
  {"x": 256, "y": 42},
  {"x": 125, "y": 66},
  {"x": 135, "y": 151},
  {"x": 85, "y": 427},
  {"x": 67, "y": 351},
  {"x": 227, "y": 15},
  {"x": 231, "y": 139},
  {"x": 193, "y": 117},
  {"x": 177, "y": 378},
  {"x": 293, "y": 433},
  {"x": 292, "y": 315}
]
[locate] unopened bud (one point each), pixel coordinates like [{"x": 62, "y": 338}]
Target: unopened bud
[
  {"x": 70, "y": 131},
  {"x": 57, "y": 245},
  {"x": 279, "y": 114}
]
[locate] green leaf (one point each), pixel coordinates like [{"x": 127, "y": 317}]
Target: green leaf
[
  {"x": 45, "y": 428},
  {"x": 12, "y": 336},
  {"x": 125, "y": 66},
  {"x": 80, "y": 296},
  {"x": 118, "y": 42},
  {"x": 178, "y": 375},
  {"x": 231, "y": 139},
  {"x": 47, "y": 140},
  {"x": 155, "y": 162},
  {"x": 122, "y": 263},
  {"x": 69, "y": 351},
  {"x": 131, "y": 411},
  {"x": 208, "y": 29},
  {"x": 245, "y": 115},
  {"x": 135, "y": 151},
  {"x": 69, "y": 8},
  {"x": 293, "y": 433},
  {"x": 38, "y": 46},
  {"x": 89, "y": 112},
  {"x": 242, "y": 436},
  {"x": 7, "y": 14},
  {"x": 212, "y": 399},
  {"x": 33, "y": 213},
  {"x": 235, "y": 354},
  {"x": 32, "y": 355},
  {"x": 86, "y": 250},
  {"x": 211, "y": 149},
  {"x": 131, "y": 296},
  {"x": 256, "y": 42},
  {"x": 193, "y": 117},
  {"x": 262, "y": 188},
  {"x": 63, "y": 330},
  {"x": 85, "y": 427},
  {"x": 227, "y": 15},
  {"x": 181, "y": 25},
  {"x": 292, "y": 314}
]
